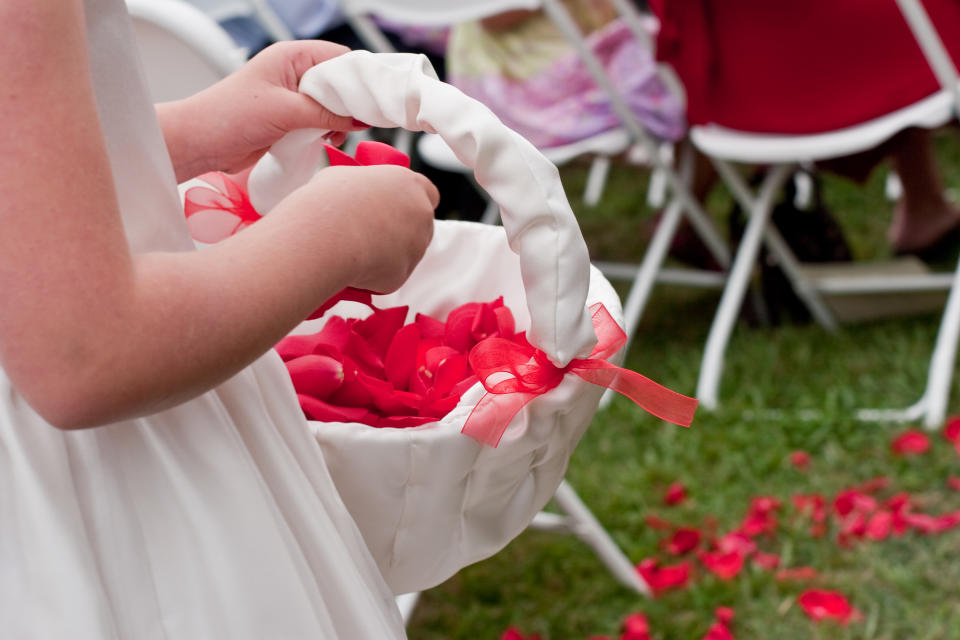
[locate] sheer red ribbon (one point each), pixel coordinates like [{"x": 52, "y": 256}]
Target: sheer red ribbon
[{"x": 514, "y": 373}]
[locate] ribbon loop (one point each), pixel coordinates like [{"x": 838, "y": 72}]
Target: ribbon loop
[{"x": 513, "y": 374}]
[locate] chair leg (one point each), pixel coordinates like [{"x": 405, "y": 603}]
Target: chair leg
[
  {"x": 589, "y": 529},
  {"x": 596, "y": 180},
  {"x": 723, "y": 322},
  {"x": 940, "y": 374},
  {"x": 647, "y": 273}
]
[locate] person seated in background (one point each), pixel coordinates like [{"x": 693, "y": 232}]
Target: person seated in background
[
  {"x": 753, "y": 65},
  {"x": 521, "y": 66}
]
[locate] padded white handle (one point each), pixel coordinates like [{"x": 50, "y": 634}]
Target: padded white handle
[{"x": 402, "y": 90}]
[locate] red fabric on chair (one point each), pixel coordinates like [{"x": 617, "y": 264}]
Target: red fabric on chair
[{"x": 815, "y": 66}]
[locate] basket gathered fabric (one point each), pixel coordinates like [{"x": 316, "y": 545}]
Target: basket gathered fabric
[{"x": 430, "y": 500}]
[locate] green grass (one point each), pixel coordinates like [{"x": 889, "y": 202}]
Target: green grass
[{"x": 784, "y": 389}]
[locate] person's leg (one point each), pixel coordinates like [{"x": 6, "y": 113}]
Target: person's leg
[{"x": 924, "y": 216}]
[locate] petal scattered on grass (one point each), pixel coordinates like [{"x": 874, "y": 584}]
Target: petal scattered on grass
[
  {"x": 724, "y": 565},
  {"x": 675, "y": 494},
  {"x": 910, "y": 443},
  {"x": 821, "y": 604},
  {"x": 951, "y": 430},
  {"x": 682, "y": 541},
  {"x": 635, "y": 627},
  {"x": 769, "y": 561},
  {"x": 800, "y": 459},
  {"x": 662, "y": 578}
]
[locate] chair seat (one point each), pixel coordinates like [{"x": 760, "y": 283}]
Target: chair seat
[
  {"x": 741, "y": 146},
  {"x": 435, "y": 151}
]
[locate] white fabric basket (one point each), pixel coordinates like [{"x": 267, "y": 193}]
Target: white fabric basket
[{"x": 430, "y": 500}]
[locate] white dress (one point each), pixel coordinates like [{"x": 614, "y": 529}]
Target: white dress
[{"x": 214, "y": 520}]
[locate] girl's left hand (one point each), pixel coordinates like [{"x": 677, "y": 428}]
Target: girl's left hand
[{"x": 228, "y": 126}]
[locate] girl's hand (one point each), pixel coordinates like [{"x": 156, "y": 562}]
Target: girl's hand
[
  {"x": 377, "y": 221},
  {"x": 228, "y": 126}
]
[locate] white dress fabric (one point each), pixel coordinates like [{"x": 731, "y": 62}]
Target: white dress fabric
[{"x": 213, "y": 520}]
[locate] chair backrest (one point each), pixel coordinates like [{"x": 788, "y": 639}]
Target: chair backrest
[
  {"x": 182, "y": 49},
  {"x": 258, "y": 10}
]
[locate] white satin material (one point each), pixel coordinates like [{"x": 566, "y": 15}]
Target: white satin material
[{"x": 389, "y": 90}]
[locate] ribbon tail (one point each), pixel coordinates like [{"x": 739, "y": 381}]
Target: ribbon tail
[
  {"x": 493, "y": 414},
  {"x": 653, "y": 398}
]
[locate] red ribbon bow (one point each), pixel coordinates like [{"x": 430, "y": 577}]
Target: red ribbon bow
[{"x": 514, "y": 373}]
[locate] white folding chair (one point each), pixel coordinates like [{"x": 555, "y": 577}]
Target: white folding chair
[
  {"x": 259, "y": 10},
  {"x": 784, "y": 154},
  {"x": 182, "y": 49}
]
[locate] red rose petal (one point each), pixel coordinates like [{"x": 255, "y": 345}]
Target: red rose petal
[
  {"x": 760, "y": 516},
  {"x": 339, "y": 158},
  {"x": 336, "y": 333},
  {"x": 369, "y": 361},
  {"x": 433, "y": 357},
  {"x": 800, "y": 459},
  {"x": 718, "y": 631},
  {"x": 768, "y": 561},
  {"x": 400, "y": 422},
  {"x": 953, "y": 482},
  {"x": 506, "y": 326},
  {"x": 379, "y": 328},
  {"x": 350, "y": 294},
  {"x": 439, "y": 406},
  {"x": 724, "y": 565},
  {"x": 821, "y": 604},
  {"x": 663, "y": 578},
  {"x": 484, "y": 323},
  {"x": 879, "y": 526},
  {"x": 736, "y": 542},
  {"x": 951, "y": 431},
  {"x": 682, "y": 541},
  {"x": 724, "y": 615},
  {"x": 371, "y": 152},
  {"x": 635, "y": 627},
  {"x": 430, "y": 327},
  {"x": 450, "y": 371},
  {"x": 909, "y": 443},
  {"x": 325, "y": 412},
  {"x": 675, "y": 494},
  {"x": 315, "y": 375},
  {"x": 458, "y": 328},
  {"x": 401, "y": 359},
  {"x": 295, "y": 346}
]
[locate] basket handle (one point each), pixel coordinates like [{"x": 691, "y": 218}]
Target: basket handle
[{"x": 402, "y": 90}]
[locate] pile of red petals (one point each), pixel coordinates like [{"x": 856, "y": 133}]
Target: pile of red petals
[{"x": 381, "y": 371}]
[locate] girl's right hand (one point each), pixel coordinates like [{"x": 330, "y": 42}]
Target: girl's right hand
[{"x": 379, "y": 217}]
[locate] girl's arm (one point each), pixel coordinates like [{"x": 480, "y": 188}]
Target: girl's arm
[{"x": 90, "y": 333}]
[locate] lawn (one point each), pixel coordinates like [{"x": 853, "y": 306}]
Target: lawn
[{"x": 785, "y": 389}]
